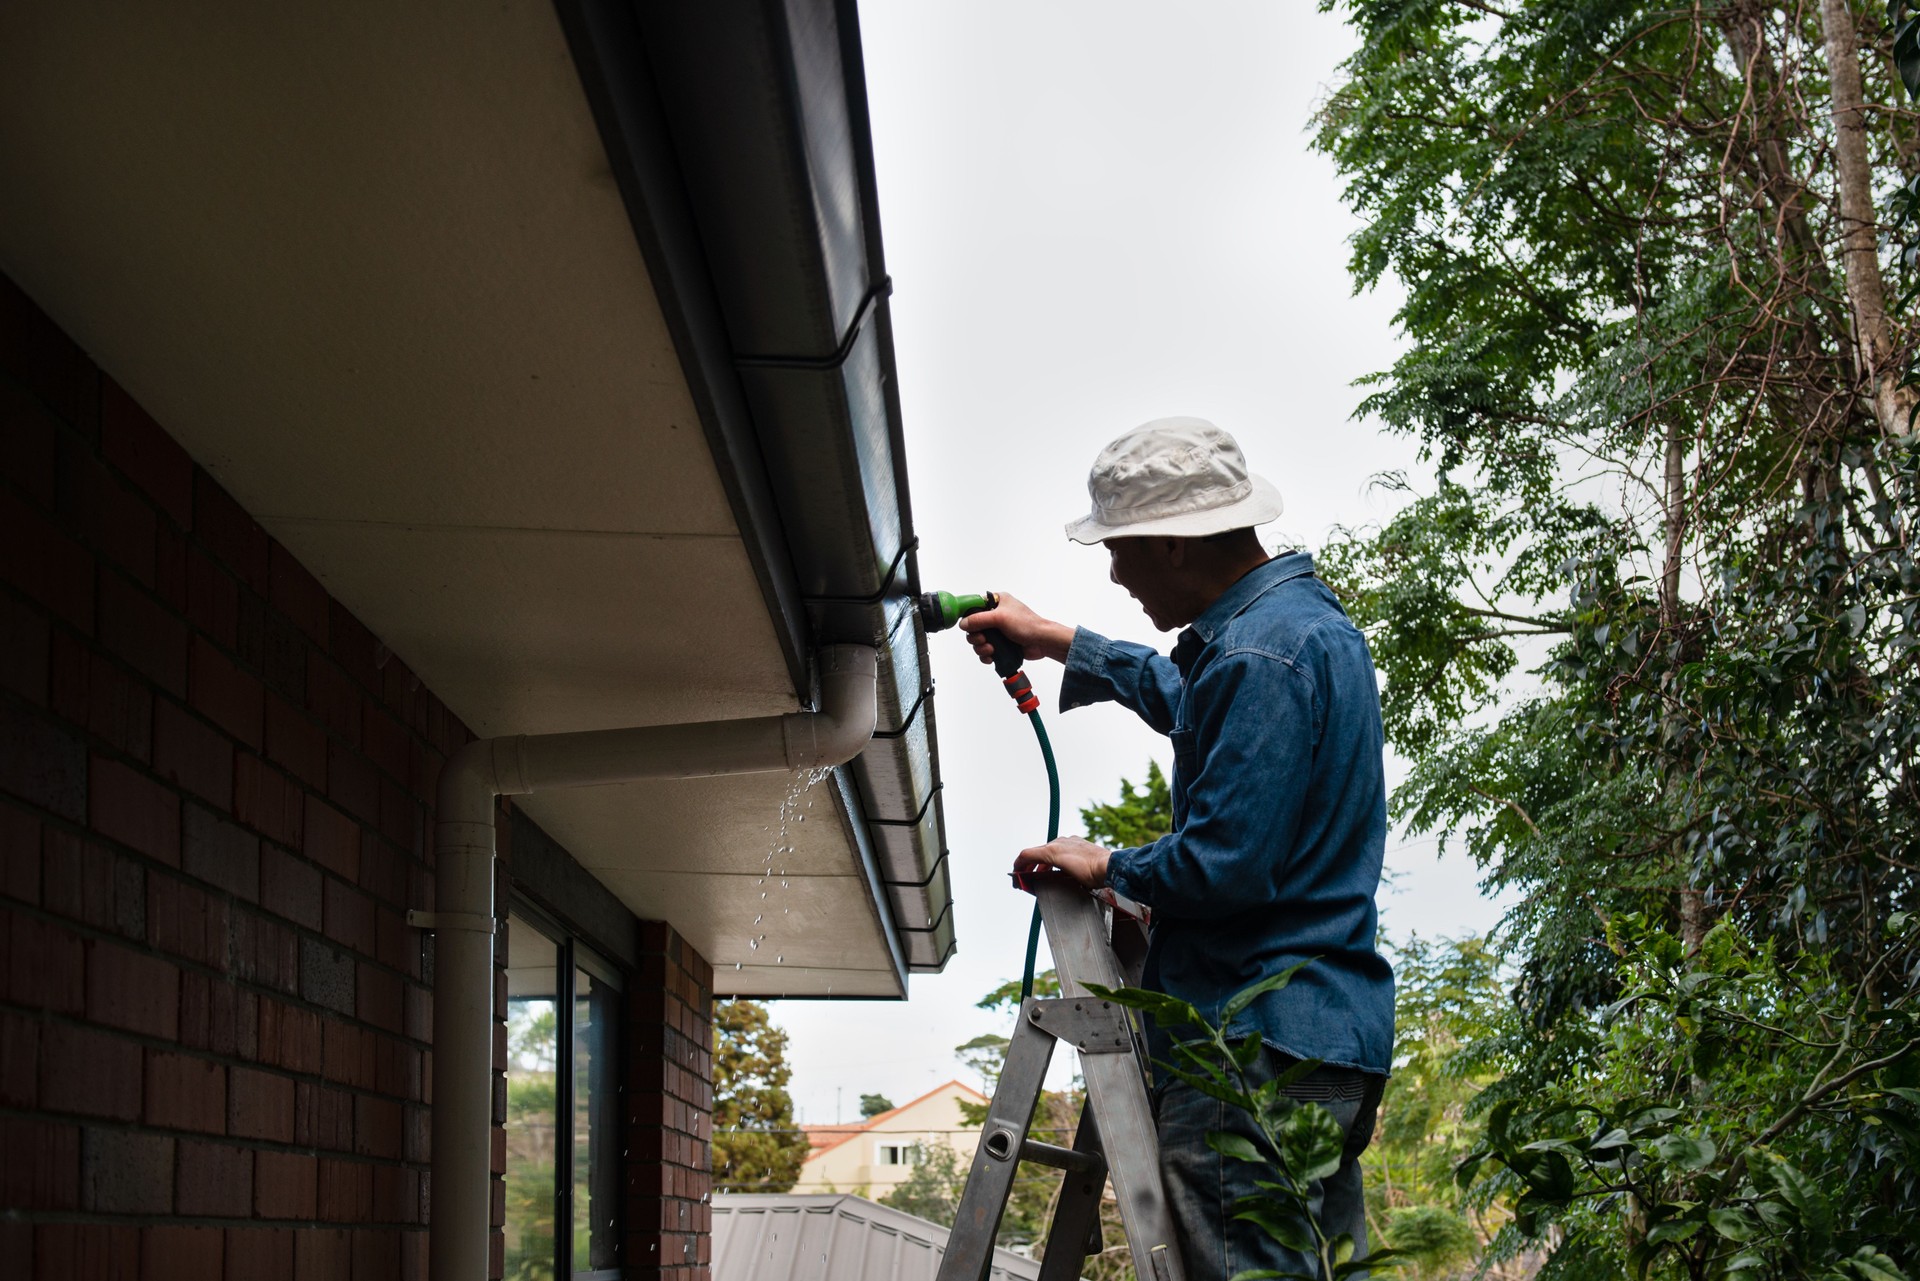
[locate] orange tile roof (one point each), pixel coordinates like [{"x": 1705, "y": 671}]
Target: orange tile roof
[{"x": 822, "y": 1137}]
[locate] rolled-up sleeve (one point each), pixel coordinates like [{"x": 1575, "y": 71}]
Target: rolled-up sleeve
[
  {"x": 1142, "y": 680},
  {"x": 1255, "y": 715}
]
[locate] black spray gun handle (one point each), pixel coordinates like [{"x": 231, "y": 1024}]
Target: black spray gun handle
[{"x": 941, "y": 610}]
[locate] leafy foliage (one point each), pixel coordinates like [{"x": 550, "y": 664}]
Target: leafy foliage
[
  {"x": 1301, "y": 1142},
  {"x": 1139, "y": 817},
  {"x": 872, "y": 1105},
  {"x": 1646, "y": 360},
  {"x": 933, "y": 1189},
  {"x": 756, "y": 1145}
]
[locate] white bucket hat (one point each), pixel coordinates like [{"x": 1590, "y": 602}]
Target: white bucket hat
[{"x": 1174, "y": 477}]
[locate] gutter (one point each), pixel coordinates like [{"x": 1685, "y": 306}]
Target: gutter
[
  {"x": 464, "y": 875},
  {"x": 737, "y": 132}
]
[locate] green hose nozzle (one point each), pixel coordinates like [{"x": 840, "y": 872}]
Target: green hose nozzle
[{"x": 941, "y": 610}]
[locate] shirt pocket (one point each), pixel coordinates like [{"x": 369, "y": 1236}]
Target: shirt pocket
[{"x": 1185, "y": 754}]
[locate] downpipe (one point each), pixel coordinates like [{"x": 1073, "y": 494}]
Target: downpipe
[{"x": 463, "y": 917}]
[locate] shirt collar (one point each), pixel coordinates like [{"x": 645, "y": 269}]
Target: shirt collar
[{"x": 1233, "y": 602}]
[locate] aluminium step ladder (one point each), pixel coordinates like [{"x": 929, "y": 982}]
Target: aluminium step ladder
[{"x": 1101, "y": 942}]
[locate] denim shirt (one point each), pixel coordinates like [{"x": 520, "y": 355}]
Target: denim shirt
[{"x": 1279, "y": 812}]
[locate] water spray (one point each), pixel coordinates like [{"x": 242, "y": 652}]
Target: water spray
[{"x": 941, "y": 610}]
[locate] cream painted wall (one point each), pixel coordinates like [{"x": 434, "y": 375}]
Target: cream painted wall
[{"x": 853, "y": 1165}]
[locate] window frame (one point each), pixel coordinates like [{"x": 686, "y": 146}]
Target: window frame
[{"x": 572, "y": 954}]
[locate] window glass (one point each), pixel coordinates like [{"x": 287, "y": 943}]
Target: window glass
[
  {"x": 533, "y": 1080},
  {"x": 595, "y": 1125}
]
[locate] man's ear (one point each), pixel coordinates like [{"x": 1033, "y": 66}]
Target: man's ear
[{"x": 1176, "y": 549}]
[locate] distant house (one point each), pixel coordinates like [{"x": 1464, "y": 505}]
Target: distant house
[{"x": 879, "y": 1153}]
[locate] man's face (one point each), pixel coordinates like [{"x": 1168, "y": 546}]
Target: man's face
[{"x": 1149, "y": 568}]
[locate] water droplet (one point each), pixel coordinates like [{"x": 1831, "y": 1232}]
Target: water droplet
[
  {"x": 779, "y": 960},
  {"x": 754, "y": 944},
  {"x": 756, "y": 920},
  {"x": 736, "y": 965}
]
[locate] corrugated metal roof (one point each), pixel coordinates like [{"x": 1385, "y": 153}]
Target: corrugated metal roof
[{"x": 833, "y": 1237}]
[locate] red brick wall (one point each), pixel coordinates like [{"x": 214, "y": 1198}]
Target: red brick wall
[
  {"x": 215, "y": 809},
  {"x": 669, "y": 1210}
]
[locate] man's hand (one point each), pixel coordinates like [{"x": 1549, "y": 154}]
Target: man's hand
[
  {"x": 1038, "y": 637},
  {"x": 1078, "y": 857}
]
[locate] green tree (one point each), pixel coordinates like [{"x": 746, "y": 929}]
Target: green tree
[
  {"x": 1139, "y": 817},
  {"x": 1650, "y": 361},
  {"x": 872, "y": 1105},
  {"x": 932, "y": 1190},
  {"x": 756, "y": 1145}
]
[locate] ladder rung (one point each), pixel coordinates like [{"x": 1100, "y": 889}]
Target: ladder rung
[{"x": 1062, "y": 1158}]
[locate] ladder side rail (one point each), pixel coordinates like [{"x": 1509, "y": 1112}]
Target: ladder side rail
[
  {"x": 996, "y": 1160},
  {"x": 1076, "y": 935}
]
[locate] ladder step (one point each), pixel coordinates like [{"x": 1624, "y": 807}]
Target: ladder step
[{"x": 1063, "y": 1158}]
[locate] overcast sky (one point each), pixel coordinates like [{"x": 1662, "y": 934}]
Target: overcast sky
[{"x": 1095, "y": 214}]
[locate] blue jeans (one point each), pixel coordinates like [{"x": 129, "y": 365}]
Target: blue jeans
[{"x": 1202, "y": 1185}]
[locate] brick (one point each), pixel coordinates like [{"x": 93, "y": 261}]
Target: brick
[
  {"x": 259, "y": 1105},
  {"x": 396, "y": 1194},
  {"x": 261, "y": 951},
  {"x": 376, "y": 1127},
  {"x": 296, "y": 743},
  {"x": 268, "y": 642},
  {"x": 349, "y": 917},
  {"x": 126, "y": 1172},
  {"x": 384, "y": 740},
  {"x": 19, "y": 1060},
  {"x": 298, "y": 594},
  {"x": 175, "y": 1253},
  {"x": 224, "y": 529},
  {"x": 345, "y": 1191},
  {"x": 225, "y": 695},
  {"x": 119, "y": 707},
  {"x": 376, "y": 1255},
  {"x": 25, "y": 650},
  {"x": 285, "y": 1185},
  {"x": 221, "y": 853},
  {"x": 45, "y": 964},
  {"x": 170, "y": 567},
  {"x": 90, "y": 884},
  {"x": 140, "y": 631},
  {"x": 355, "y": 648},
  {"x": 42, "y": 763},
  {"x": 95, "y": 504},
  {"x": 259, "y": 1254},
  {"x": 213, "y": 599},
  {"x": 85, "y": 1252},
  {"x": 378, "y": 997},
  {"x": 289, "y": 1037},
  {"x": 42, "y": 1166},
  {"x": 128, "y": 989},
  {"x": 326, "y": 976},
  {"x": 333, "y": 699},
  {"x": 396, "y": 1068},
  {"x": 347, "y": 1054},
  {"x": 290, "y": 887},
  {"x": 36, "y": 351},
  {"x": 193, "y": 754},
  {"x": 19, "y": 855},
  {"x": 132, "y": 441},
  {"x": 383, "y": 872},
  {"x": 332, "y": 839},
  {"x": 419, "y": 1020},
  {"x": 420, "y": 1135},
  {"x": 352, "y": 783},
  {"x": 29, "y": 442},
  {"x": 214, "y": 1181},
  {"x": 322, "y": 1254},
  {"x": 90, "y": 1073},
  {"x": 395, "y": 943},
  {"x": 185, "y": 921},
  {"x": 45, "y": 564},
  {"x": 323, "y": 1118},
  {"x": 218, "y": 1016},
  {"x": 266, "y": 800},
  {"x": 186, "y": 1093},
  {"x": 125, "y": 805}
]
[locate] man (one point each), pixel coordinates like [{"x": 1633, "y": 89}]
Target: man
[{"x": 1279, "y": 808}]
